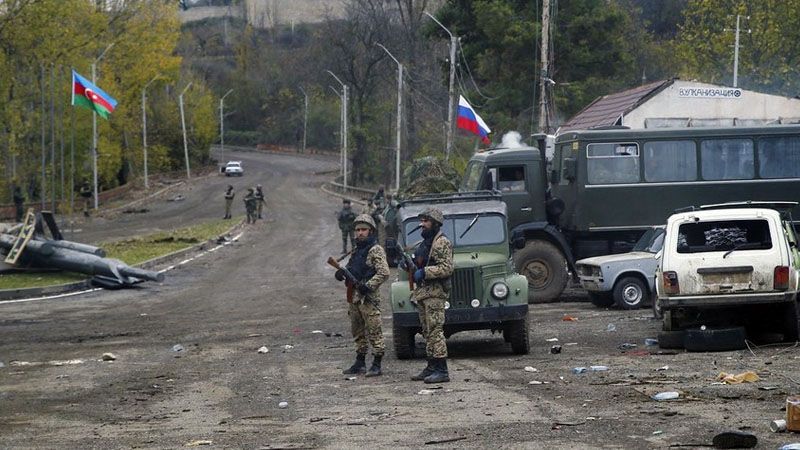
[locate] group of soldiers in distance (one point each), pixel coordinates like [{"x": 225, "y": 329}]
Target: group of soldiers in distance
[
  {"x": 85, "y": 192},
  {"x": 253, "y": 203},
  {"x": 367, "y": 269}
]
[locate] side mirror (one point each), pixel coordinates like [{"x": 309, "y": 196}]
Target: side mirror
[
  {"x": 570, "y": 169},
  {"x": 554, "y": 177}
]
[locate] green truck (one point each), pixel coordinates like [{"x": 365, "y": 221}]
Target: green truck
[
  {"x": 604, "y": 188},
  {"x": 485, "y": 293}
]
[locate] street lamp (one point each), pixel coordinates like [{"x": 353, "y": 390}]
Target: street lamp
[
  {"x": 399, "y": 116},
  {"x": 144, "y": 127},
  {"x": 305, "y": 116},
  {"x": 183, "y": 125},
  {"x": 451, "y": 106},
  {"x": 341, "y": 128},
  {"x": 94, "y": 126},
  {"x": 344, "y": 128},
  {"x": 222, "y": 126}
]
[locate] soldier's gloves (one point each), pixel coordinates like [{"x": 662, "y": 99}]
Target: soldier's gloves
[
  {"x": 363, "y": 289},
  {"x": 419, "y": 275},
  {"x": 339, "y": 275}
]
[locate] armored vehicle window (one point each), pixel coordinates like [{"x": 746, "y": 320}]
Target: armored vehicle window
[
  {"x": 611, "y": 163},
  {"x": 727, "y": 159},
  {"x": 565, "y": 153},
  {"x": 670, "y": 161},
  {"x": 472, "y": 176},
  {"x": 779, "y": 157},
  {"x": 511, "y": 179},
  {"x": 739, "y": 235}
]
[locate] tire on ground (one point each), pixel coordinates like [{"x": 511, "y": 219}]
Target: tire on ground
[
  {"x": 671, "y": 339},
  {"x": 545, "y": 268},
  {"x": 517, "y": 332},
  {"x": 714, "y": 339},
  {"x": 630, "y": 293},
  {"x": 403, "y": 338},
  {"x": 601, "y": 300}
]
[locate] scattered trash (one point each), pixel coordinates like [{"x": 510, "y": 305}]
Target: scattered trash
[
  {"x": 552, "y": 340},
  {"x": 531, "y": 369},
  {"x": 598, "y": 368},
  {"x": 288, "y": 347},
  {"x": 200, "y": 442},
  {"x": 178, "y": 198},
  {"x": 777, "y": 426},
  {"x": 571, "y": 343},
  {"x": 767, "y": 388},
  {"x": 109, "y": 357},
  {"x": 578, "y": 370},
  {"x": 351, "y": 378},
  {"x": 445, "y": 441},
  {"x": 263, "y": 350},
  {"x": 283, "y": 405},
  {"x": 536, "y": 382},
  {"x": 555, "y": 350},
  {"x": 177, "y": 348},
  {"x": 734, "y": 439},
  {"x": 650, "y": 342},
  {"x": 661, "y": 369},
  {"x": 670, "y": 395},
  {"x": 568, "y": 423},
  {"x": 568, "y": 318},
  {"x": 426, "y": 392},
  {"x": 253, "y": 335},
  {"x": 1, "y": 364},
  {"x": 611, "y": 327},
  {"x": 317, "y": 332},
  {"x": 657, "y": 432},
  {"x": 337, "y": 334},
  {"x": 793, "y": 413},
  {"x": 744, "y": 377},
  {"x": 627, "y": 346},
  {"x": 793, "y": 446}
]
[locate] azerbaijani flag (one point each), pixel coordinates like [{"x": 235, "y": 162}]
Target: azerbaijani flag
[
  {"x": 469, "y": 120},
  {"x": 86, "y": 94}
]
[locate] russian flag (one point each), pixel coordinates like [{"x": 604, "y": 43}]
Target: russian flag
[{"x": 469, "y": 120}]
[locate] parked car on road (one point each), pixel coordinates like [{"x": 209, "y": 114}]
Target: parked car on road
[
  {"x": 234, "y": 168},
  {"x": 726, "y": 271},
  {"x": 626, "y": 280}
]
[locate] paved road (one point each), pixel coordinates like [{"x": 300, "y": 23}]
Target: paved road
[{"x": 273, "y": 289}]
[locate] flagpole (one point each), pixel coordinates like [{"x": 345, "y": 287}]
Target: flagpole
[
  {"x": 183, "y": 125},
  {"x": 44, "y": 156},
  {"x": 144, "y": 128},
  {"x": 451, "y": 104},
  {"x": 94, "y": 127}
]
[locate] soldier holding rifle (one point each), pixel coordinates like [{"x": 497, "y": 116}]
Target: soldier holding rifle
[{"x": 365, "y": 272}]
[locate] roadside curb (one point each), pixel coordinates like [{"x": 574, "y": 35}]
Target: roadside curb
[
  {"x": 324, "y": 188},
  {"x": 17, "y": 294}
]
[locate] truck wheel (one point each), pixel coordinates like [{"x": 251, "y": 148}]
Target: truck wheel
[
  {"x": 671, "y": 339},
  {"x": 630, "y": 293},
  {"x": 517, "y": 332},
  {"x": 545, "y": 268},
  {"x": 714, "y": 340},
  {"x": 601, "y": 300},
  {"x": 403, "y": 338}
]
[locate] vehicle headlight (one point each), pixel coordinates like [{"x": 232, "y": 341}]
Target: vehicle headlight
[{"x": 500, "y": 290}]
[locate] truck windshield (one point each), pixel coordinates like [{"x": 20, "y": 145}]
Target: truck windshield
[
  {"x": 651, "y": 241},
  {"x": 488, "y": 229},
  {"x": 472, "y": 176}
]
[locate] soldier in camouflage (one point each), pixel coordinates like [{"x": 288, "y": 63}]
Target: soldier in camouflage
[
  {"x": 434, "y": 259},
  {"x": 229, "y": 195},
  {"x": 346, "y": 217},
  {"x": 368, "y": 265},
  {"x": 250, "y": 205}
]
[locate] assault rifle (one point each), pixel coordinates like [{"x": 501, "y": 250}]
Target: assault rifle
[{"x": 350, "y": 280}]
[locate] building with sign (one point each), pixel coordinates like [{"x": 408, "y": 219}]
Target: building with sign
[{"x": 679, "y": 103}]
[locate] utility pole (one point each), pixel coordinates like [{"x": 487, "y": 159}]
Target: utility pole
[
  {"x": 341, "y": 130},
  {"x": 399, "y": 117},
  {"x": 183, "y": 125},
  {"x": 305, "y": 116},
  {"x": 94, "y": 127},
  {"x": 736, "y": 46},
  {"x": 44, "y": 155},
  {"x": 451, "y": 105},
  {"x": 344, "y": 129},
  {"x": 543, "y": 75},
  {"x": 144, "y": 128},
  {"x": 222, "y": 127}
]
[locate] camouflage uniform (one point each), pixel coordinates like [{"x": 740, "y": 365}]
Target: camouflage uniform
[
  {"x": 368, "y": 265},
  {"x": 250, "y": 205},
  {"x": 86, "y": 193},
  {"x": 346, "y": 217},
  {"x": 229, "y": 195},
  {"x": 19, "y": 204},
  {"x": 260, "y": 202}
]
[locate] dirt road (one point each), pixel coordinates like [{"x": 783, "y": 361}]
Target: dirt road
[{"x": 273, "y": 289}]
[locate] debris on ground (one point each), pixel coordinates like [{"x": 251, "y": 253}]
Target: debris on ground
[
  {"x": 555, "y": 350},
  {"x": 734, "y": 439},
  {"x": 177, "y": 348},
  {"x": 793, "y": 446},
  {"x": 551, "y": 340},
  {"x": 578, "y": 370},
  {"x": 531, "y": 369},
  {"x": 568, "y": 318},
  {"x": 662, "y": 368},
  {"x": 351, "y": 378},
  {"x": 287, "y": 347},
  {"x": 744, "y": 377},
  {"x": 598, "y": 368},
  {"x": 611, "y": 327},
  {"x": 777, "y": 426},
  {"x": 178, "y": 198},
  {"x": 283, "y": 405},
  {"x": 263, "y": 350},
  {"x": 445, "y": 441},
  {"x": 669, "y": 395},
  {"x": 317, "y": 332},
  {"x": 650, "y": 342},
  {"x": 627, "y": 346},
  {"x": 198, "y": 442},
  {"x": 109, "y": 357}
]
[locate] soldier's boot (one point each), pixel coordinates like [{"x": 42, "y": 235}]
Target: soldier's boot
[
  {"x": 375, "y": 370},
  {"x": 428, "y": 370},
  {"x": 360, "y": 366},
  {"x": 440, "y": 374},
  {"x": 344, "y": 248}
]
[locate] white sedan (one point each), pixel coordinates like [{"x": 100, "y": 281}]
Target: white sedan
[{"x": 234, "y": 168}]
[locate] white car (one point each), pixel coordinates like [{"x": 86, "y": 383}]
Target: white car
[
  {"x": 234, "y": 168},
  {"x": 727, "y": 270}
]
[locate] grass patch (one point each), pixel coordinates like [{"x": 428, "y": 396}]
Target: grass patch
[{"x": 132, "y": 251}]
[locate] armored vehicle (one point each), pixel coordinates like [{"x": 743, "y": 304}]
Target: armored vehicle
[{"x": 486, "y": 293}]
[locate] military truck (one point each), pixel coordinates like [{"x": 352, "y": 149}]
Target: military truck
[
  {"x": 607, "y": 187},
  {"x": 486, "y": 293}
]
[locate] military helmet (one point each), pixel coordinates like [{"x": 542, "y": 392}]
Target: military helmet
[
  {"x": 365, "y": 218},
  {"x": 346, "y": 201},
  {"x": 433, "y": 214}
]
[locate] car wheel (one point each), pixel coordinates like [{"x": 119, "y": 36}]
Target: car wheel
[
  {"x": 630, "y": 293},
  {"x": 601, "y": 299},
  {"x": 671, "y": 339},
  {"x": 518, "y": 331},
  {"x": 545, "y": 268},
  {"x": 714, "y": 340},
  {"x": 403, "y": 338},
  {"x": 657, "y": 314}
]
